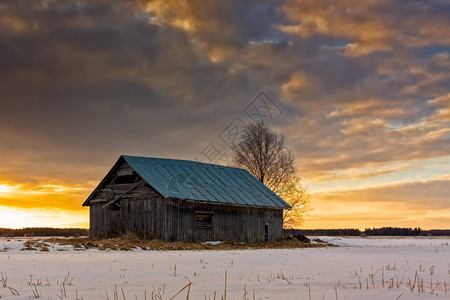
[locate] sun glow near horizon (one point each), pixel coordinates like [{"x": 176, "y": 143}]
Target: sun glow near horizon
[
  {"x": 46, "y": 204},
  {"x": 59, "y": 205},
  {"x": 6, "y": 189},
  {"x": 17, "y": 218},
  {"x": 345, "y": 201}
]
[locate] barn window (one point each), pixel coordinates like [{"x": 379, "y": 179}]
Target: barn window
[
  {"x": 125, "y": 179},
  {"x": 203, "y": 219},
  {"x": 115, "y": 206}
]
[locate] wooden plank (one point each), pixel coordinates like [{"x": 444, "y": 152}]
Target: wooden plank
[{"x": 121, "y": 195}]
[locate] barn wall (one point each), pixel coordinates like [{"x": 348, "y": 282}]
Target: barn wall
[
  {"x": 228, "y": 223},
  {"x": 144, "y": 212},
  {"x": 162, "y": 219}
]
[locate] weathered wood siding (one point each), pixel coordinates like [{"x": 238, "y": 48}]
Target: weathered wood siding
[
  {"x": 228, "y": 223},
  {"x": 161, "y": 219},
  {"x": 147, "y": 214}
]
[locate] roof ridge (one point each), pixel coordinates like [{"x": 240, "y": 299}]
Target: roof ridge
[{"x": 181, "y": 160}]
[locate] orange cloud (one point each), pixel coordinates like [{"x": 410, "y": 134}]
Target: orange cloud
[
  {"x": 374, "y": 25},
  {"x": 442, "y": 105},
  {"x": 368, "y": 107},
  {"x": 378, "y": 218},
  {"x": 14, "y": 24},
  {"x": 200, "y": 19},
  {"x": 349, "y": 139},
  {"x": 357, "y": 173},
  {"x": 430, "y": 194},
  {"x": 421, "y": 203},
  {"x": 363, "y": 126},
  {"x": 44, "y": 195},
  {"x": 297, "y": 82}
]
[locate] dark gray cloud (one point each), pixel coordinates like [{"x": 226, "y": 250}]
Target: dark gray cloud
[{"x": 85, "y": 81}]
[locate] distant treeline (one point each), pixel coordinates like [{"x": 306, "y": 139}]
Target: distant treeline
[
  {"x": 384, "y": 231},
  {"x": 395, "y": 231},
  {"x": 327, "y": 232},
  {"x": 437, "y": 232},
  {"x": 44, "y": 231}
]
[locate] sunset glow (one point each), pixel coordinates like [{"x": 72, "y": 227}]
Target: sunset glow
[
  {"x": 362, "y": 96},
  {"x": 11, "y": 217},
  {"x": 7, "y": 189}
]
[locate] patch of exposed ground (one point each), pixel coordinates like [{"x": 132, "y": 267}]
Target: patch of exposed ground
[{"x": 129, "y": 242}]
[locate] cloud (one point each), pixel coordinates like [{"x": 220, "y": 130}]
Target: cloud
[
  {"x": 377, "y": 219},
  {"x": 403, "y": 204},
  {"x": 363, "y": 126},
  {"x": 370, "y": 26},
  {"x": 430, "y": 194},
  {"x": 442, "y": 112},
  {"x": 359, "y": 173},
  {"x": 96, "y": 77},
  {"x": 296, "y": 83},
  {"x": 362, "y": 85},
  {"x": 369, "y": 107},
  {"x": 50, "y": 195}
]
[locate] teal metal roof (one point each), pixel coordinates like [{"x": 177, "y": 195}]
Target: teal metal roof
[{"x": 203, "y": 182}]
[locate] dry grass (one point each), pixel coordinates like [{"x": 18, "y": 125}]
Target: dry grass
[
  {"x": 35, "y": 245},
  {"x": 131, "y": 242},
  {"x": 414, "y": 284}
]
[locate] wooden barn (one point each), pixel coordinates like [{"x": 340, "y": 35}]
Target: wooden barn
[{"x": 179, "y": 200}]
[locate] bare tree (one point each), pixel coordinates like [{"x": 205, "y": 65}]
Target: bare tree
[{"x": 264, "y": 154}]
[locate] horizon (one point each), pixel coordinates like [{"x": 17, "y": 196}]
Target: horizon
[
  {"x": 361, "y": 95},
  {"x": 304, "y": 229}
]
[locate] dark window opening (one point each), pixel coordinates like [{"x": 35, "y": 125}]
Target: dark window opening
[
  {"x": 115, "y": 206},
  {"x": 108, "y": 180},
  {"x": 203, "y": 219},
  {"x": 125, "y": 179}
]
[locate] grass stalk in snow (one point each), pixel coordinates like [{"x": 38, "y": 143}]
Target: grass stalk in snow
[
  {"x": 13, "y": 291},
  {"x": 188, "y": 286},
  {"x": 35, "y": 291},
  {"x": 4, "y": 280},
  {"x": 245, "y": 291}
]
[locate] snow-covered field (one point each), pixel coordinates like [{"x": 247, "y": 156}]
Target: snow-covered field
[{"x": 361, "y": 268}]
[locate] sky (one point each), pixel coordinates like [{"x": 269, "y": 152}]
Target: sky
[{"x": 360, "y": 89}]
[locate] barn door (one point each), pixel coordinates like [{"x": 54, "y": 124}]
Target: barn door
[
  {"x": 116, "y": 219},
  {"x": 266, "y": 231}
]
